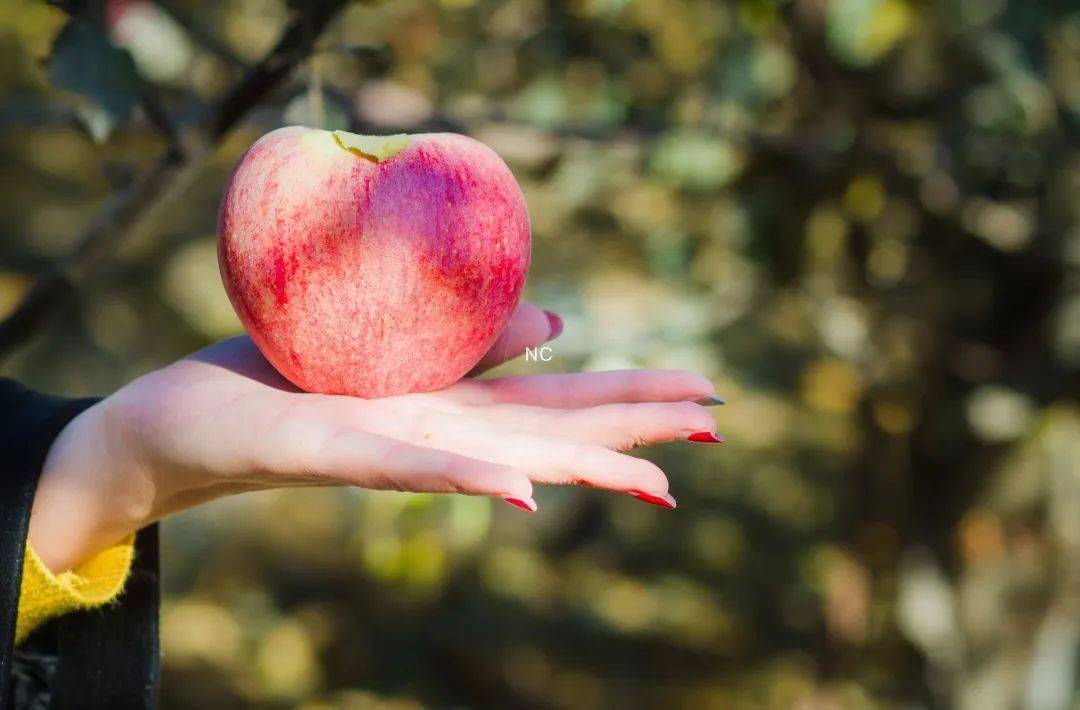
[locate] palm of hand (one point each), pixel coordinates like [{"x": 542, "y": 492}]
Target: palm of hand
[{"x": 223, "y": 419}]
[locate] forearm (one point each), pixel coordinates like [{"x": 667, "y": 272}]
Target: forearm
[{"x": 96, "y": 489}]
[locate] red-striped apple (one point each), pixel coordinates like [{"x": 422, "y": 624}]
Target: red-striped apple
[{"x": 372, "y": 265}]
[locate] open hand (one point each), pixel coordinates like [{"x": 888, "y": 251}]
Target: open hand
[{"x": 223, "y": 421}]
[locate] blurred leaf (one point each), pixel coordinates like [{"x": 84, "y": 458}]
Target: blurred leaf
[
  {"x": 190, "y": 284},
  {"x": 694, "y": 160},
  {"x": 84, "y": 61},
  {"x": 551, "y": 100},
  {"x": 12, "y": 288},
  {"x": 389, "y": 104},
  {"x": 160, "y": 46},
  {"x": 861, "y": 32},
  {"x": 324, "y": 112}
]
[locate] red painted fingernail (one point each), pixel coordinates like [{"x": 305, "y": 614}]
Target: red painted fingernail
[
  {"x": 524, "y": 503},
  {"x": 556, "y": 324},
  {"x": 706, "y": 437},
  {"x": 664, "y": 501}
]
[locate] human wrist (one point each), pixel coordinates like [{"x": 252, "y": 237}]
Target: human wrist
[{"x": 91, "y": 493}]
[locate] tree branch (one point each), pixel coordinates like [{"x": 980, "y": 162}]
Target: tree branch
[
  {"x": 158, "y": 117},
  {"x": 125, "y": 209},
  {"x": 295, "y": 44}
]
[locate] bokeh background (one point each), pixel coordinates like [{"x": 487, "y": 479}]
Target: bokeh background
[{"x": 860, "y": 218}]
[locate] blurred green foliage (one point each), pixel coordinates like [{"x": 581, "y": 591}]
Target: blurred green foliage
[{"x": 858, "y": 217}]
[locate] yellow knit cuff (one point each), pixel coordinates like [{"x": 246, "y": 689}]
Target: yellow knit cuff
[{"x": 45, "y": 595}]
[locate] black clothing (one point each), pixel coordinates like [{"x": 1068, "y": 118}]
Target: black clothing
[{"x": 101, "y": 658}]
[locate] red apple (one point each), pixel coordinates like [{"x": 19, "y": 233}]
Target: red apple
[{"x": 372, "y": 265}]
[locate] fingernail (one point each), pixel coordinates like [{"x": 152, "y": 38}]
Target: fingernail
[
  {"x": 556, "y": 324},
  {"x": 664, "y": 501},
  {"x": 705, "y": 437},
  {"x": 710, "y": 401},
  {"x": 524, "y": 503}
]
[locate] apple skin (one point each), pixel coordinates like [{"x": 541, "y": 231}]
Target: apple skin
[{"x": 372, "y": 273}]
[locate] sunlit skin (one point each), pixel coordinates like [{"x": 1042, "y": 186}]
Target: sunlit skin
[
  {"x": 223, "y": 421},
  {"x": 372, "y": 266}
]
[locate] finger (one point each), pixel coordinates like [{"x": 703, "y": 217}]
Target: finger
[
  {"x": 541, "y": 458},
  {"x": 620, "y": 427},
  {"x": 361, "y": 459},
  {"x": 557, "y": 462},
  {"x": 544, "y": 459},
  {"x": 529, "y": 327},
  {"x": 587, "y": 389}
]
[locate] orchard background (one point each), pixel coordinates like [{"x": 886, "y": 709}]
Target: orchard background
[{"x": 860, "y": 218}]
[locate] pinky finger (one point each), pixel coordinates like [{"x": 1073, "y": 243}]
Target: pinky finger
[{"x": 370, "y": 461}]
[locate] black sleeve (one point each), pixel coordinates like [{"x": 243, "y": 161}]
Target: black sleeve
[
  {"x": 99, "y": 658},
  {"x": 29, "y": 421}
]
